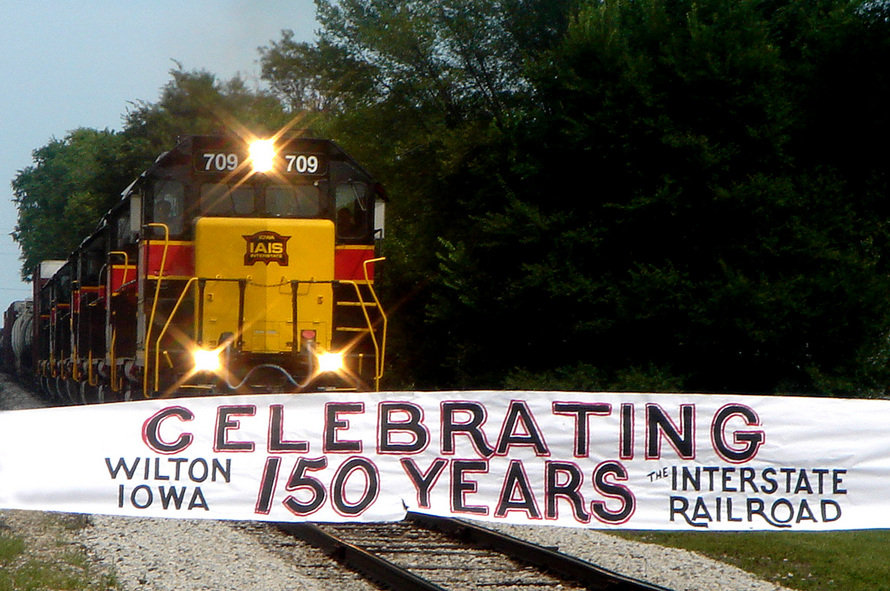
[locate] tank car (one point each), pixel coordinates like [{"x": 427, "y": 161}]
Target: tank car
[
  {"x": 15, "y": 338},
  {"x": 227, "y": 266}
]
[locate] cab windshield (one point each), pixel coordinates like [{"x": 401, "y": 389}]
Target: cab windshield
[{"x": 273, "y": 200}]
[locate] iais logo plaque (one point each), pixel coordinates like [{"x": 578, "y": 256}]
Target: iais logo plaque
[{"x": 266, "y": 247}]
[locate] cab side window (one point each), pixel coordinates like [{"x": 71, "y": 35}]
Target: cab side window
[
  {"x": 351, "y": 207},
  {"x": 168, "y": 205},
  {"x": 123, "y": 235}
]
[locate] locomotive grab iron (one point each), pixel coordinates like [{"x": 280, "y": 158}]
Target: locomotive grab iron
[{"x": 226, "y": 266}]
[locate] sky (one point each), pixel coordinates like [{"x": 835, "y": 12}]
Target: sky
[{"x": 67, "y": 64}]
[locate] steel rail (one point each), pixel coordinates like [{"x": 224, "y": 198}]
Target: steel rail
[
  {"x": 373, "y": 567},
  {"x": 588, "y": 574},
  {"x": 382, "y": 571}
]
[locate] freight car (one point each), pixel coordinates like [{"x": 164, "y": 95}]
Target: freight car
[
  {"x": 15, "y": 338},
  {"x": 227, "y": 266}
]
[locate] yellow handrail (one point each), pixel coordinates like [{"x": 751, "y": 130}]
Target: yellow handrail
[
  {"x": 126, "y": 265},
  {"x": 90, "y": 380},
  {"x": 113, "y": 385},
  {"x": 361, "y": 302},
  {"x": 379, "y": 348},
  {"x": 154, "y": 304},
  {"x": 74, "y": 368},
  {"x": 380, "y": 357},
  {"x": 166, "y": 326}
]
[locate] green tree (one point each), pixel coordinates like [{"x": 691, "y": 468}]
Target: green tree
[
  {"x": 63, "y": 195},
  {"x": 196, "y": 102},
  {"x": 674, "y": 211},
  {"x": 620, "y": 194}
]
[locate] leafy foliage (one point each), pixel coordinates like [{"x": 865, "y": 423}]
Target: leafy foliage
[
  {"x": 197, "y": 103},
  {"x": 62, "y": 196},
  {"x": 604, "y": 194}
]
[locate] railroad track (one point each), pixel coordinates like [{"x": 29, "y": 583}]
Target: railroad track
[{"x": 427, "y": 553}]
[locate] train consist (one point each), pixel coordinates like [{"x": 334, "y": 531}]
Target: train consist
[{"x": 227, "y": 266}]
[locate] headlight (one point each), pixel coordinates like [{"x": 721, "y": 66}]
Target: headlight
[
  {"x": 207, "y": 360},
  {"x": 330, "y": 362},
  {"x": 262, "y": 155}
]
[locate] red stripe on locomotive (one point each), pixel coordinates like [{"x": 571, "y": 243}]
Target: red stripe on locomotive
[
  {"x": 180, "y": 260},
  {"x": 121, "y": 275},
  {"x": 349, "y": 262}
]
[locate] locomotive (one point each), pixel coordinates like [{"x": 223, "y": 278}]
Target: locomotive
[{"x": 228, "y": 266}]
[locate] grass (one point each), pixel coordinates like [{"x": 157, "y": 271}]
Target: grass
[
  {"x": 10, "y": 547},
  {"x": 37, "y": 553},
  {"x": 811, "y": 561}
]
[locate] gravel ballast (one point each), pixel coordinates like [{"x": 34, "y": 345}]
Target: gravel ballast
[{"x": 192, "y": 555}]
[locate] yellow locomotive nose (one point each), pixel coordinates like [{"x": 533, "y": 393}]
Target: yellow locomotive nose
[{"x": 267, "y": 281}]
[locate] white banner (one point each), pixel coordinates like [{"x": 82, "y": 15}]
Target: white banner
[{"x": 599, "y": 460}]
